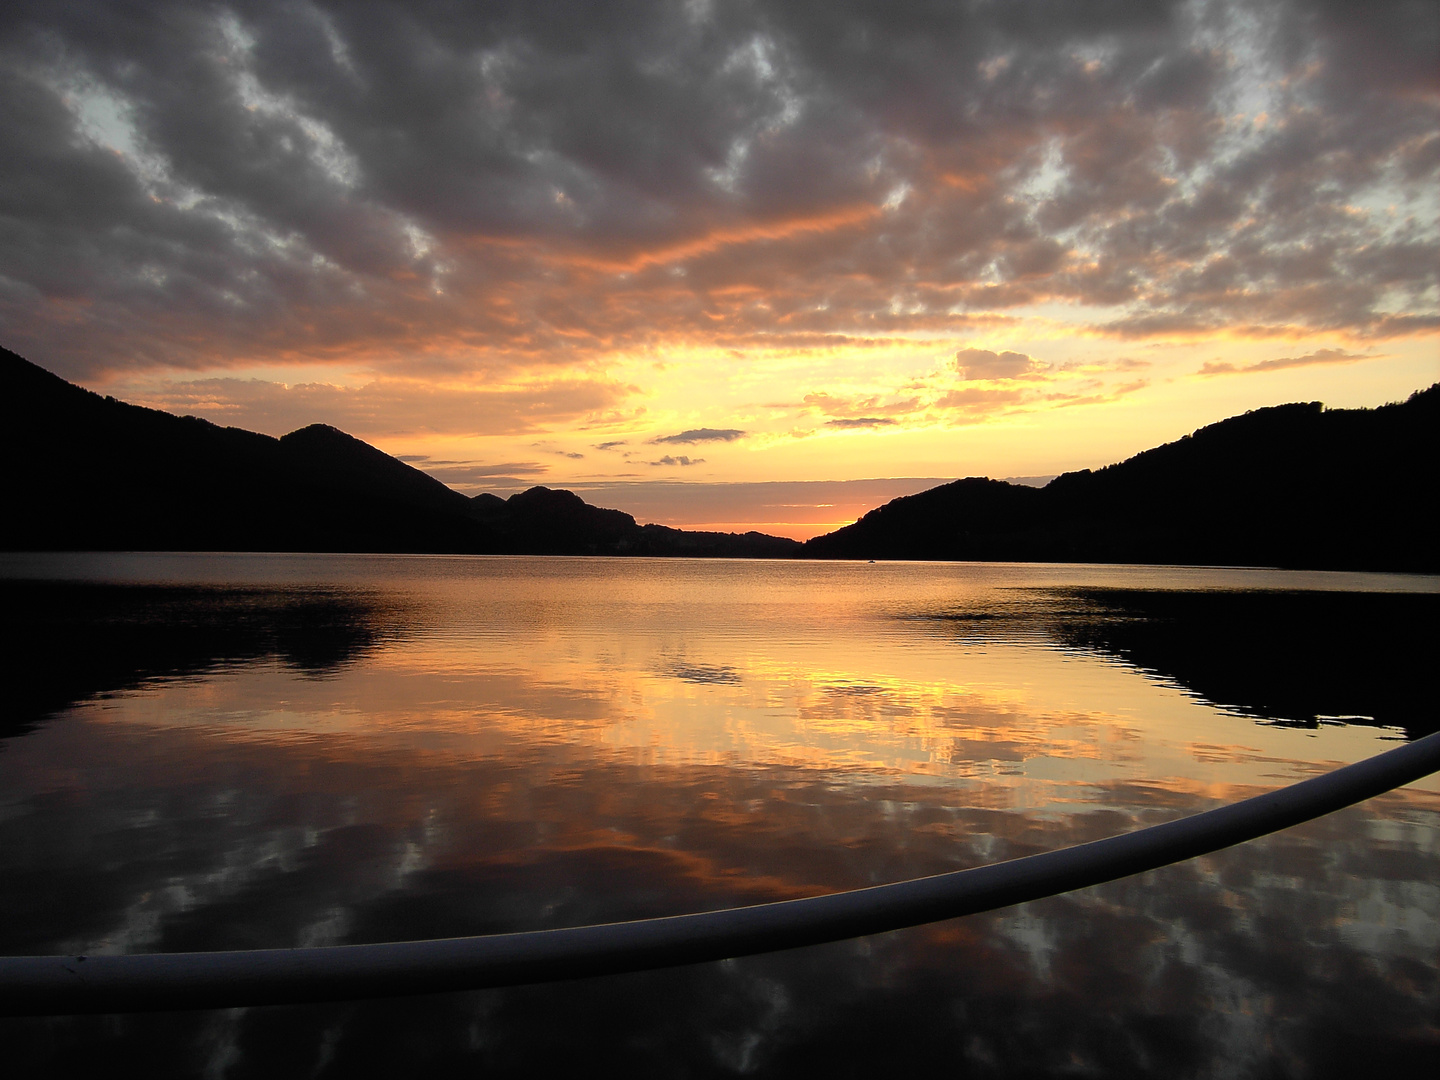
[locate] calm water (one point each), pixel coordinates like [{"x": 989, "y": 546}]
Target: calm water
[{"x": 209, "y": 752}]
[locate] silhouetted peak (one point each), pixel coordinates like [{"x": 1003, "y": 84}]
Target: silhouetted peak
[
  {"x": 155, "y": 481},
  {"x": 1427, "y": 399},
  {"x": 1270, "y": 418},
  {"x": 33, "y": 384},
  {"x": 1292, "y": 408},
  {"x": 321, "y": 435},
  {"x": 323, "y": 445},
  {"x": 552, "y": 508},
  {"x": 16, "y": 366},
  {"x": 544, "y": 498},
  {"x": 1289, "y": 485},
  {"x": 971, "y": 486}
]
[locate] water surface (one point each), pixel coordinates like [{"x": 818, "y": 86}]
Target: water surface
[{"x": 212, "y": 752}]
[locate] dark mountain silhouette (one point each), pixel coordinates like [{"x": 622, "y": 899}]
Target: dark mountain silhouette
[
  {"x": 1292, "y": 486},
  {"x": 87, "y": 472},
  {"x": 542, "y": 521}
]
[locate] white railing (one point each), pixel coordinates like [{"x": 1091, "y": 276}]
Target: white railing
[{"x": 38, "y": 985}]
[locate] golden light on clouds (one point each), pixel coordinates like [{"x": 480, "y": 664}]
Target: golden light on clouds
[{"x": 498, "y": 243}]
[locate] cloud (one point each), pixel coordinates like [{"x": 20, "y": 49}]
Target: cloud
[
  {"x": 1101, "y": 367},
  {"x": 1320, "y": 356},
  {"x": 612, "y": 444},
  {"x": 385, "y": 407},
  {"x": 678, "y": 460},
  {"x": 1113, "y": 393},
  {"x": 1029, "y": 481},
  {"x": 473, "y": 477},
  {"x": 493, "y": 190},
  {"x": 935, "y": 399},
  {"x": 691, "y": 504},
  {"x": 699, "y": 435},
  {"x": 974, "y": 364},
  {"x": 865, "y": 408},
  {"x": 974, "y": 399}
]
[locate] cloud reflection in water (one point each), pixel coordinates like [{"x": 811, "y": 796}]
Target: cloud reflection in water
[{"x": 454, "y": 781}]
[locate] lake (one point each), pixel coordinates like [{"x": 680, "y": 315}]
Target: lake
[{"x": 229, "y": 752}]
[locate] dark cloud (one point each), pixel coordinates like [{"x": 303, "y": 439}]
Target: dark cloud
[
  {"x": 699, "y": 435},
  {"x": 493, "y": 186},
  {"x": 862, "y": 422},
  {"x": 680, "y": 459}
]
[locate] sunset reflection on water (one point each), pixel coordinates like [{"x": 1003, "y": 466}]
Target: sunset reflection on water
[{"x": 508, "y": 744}]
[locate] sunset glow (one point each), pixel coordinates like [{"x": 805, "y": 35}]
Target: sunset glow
[{"x": 715, "y": 264}]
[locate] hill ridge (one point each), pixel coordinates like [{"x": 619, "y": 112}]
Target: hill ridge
[
  {"x": 91, "y": 472},
  {"x": 1294, "y": 485}
]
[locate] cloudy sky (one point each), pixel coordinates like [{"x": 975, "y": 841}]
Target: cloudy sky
[{"x": 710, "y": 261}]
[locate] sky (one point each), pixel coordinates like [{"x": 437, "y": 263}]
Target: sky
[{"x": 725, "y": 265}]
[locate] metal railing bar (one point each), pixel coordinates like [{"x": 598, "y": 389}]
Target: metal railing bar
[{"x": 48, "y": 985}]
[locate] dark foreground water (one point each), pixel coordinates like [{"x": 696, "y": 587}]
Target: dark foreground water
[{"x": 219, "y": 752}]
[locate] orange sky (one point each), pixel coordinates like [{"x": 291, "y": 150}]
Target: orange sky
[{"x": 714, "y": 263}]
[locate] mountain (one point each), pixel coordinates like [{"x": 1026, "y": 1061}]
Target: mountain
[
  {"x": 1296, "y": 486},
  {"x": 87, "y": 472},
  {"x": 542, "y": 521},
  {"x": 1293, "y": 486}
]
